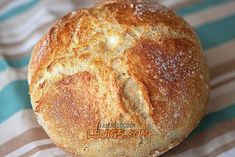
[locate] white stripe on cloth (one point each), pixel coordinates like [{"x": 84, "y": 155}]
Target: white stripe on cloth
[
  {"x": 55, "y": 152},
  {"x": 28, "y": 147},
  {"x": 10, "y": 6},
  {"x": 209, "y": 146},
  {"x": 229, "y": 153},
  {"x": 17, "y": 124},
  {"x": 24, "y": 47},
  {"x": 170, "y": 3},
  {"x": 23, "y": 39},
  {"x": 59, "y": 7},
  {"x": 211, "y": 14},
  {"x": 21, "y": 18},
  {"x": 11, "y": 36},
  {"x": 223, "y": 89},
  {"x": 2, "y": 2},
  {"x": 222, "y": 101},
  {"x": 222, "y": 78},
  {"x": 223, "y": 95},
  {"x": 12, "y": 74},
  {"x": 221, "y": 54},
  {"x": 28, "y": 43}
]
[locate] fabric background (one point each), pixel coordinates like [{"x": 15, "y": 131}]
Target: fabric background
[{"x": 22, "y": 24}]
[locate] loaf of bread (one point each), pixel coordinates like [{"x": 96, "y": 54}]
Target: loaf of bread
[{"x": 121, "y": 79}]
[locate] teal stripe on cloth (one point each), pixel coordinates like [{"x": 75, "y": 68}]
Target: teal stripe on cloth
[
  {"x": 218, "y": 32},
  {"x": 17, "y": 10},
  {"x": 200, "y": 5},
  {"x": 14, "y": 97},
  {"x": 3, "y": 65},
  {"x": 15, "y": 63},
  {"x": 211, "y": 119},
  {"x": 19, "y": 62}
]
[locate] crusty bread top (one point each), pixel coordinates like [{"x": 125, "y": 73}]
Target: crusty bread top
[{"x": 123, "y": 62}]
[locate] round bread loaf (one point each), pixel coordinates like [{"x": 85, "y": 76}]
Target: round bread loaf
[{"x": 121, "y": 79}]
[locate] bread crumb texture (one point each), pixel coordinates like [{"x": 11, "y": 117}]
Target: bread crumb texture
[{"x": 119, "y": 62}]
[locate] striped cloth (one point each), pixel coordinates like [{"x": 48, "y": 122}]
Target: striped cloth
[{"x": 22, "y": 24}]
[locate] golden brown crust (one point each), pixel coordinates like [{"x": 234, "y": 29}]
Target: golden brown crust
[{"x": 126, "y": 62}]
